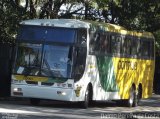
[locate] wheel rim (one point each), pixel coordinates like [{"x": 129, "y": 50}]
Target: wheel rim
[
  {"x": 86, "y": 101},
  {"x": 131, "y": 99},
  {"x": 139, "y": 96},
  {"x": 86, "y": 96}
]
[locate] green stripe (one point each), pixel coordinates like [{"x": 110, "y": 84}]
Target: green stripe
[{"x": 106, "y": 73}]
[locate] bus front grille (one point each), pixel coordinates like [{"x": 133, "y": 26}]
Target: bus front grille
[
  {"x": 32, "y": 82},
  {"x": 47, "y": 84}
]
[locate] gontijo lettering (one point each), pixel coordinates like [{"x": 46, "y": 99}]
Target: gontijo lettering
[{"x": 127, "y": 65}]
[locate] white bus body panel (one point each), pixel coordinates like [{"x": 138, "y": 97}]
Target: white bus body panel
[{"x": 44, "y": 92}]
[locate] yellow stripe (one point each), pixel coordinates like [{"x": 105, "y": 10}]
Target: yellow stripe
[
  {"x": 30, "y": 78},
  {"x": 91, "y": 66}
]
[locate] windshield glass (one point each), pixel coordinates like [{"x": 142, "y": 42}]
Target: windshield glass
[
  {"x": 57, "y": 61},
  {"x": 47, "y": 60},
  {"x": 28, "y": 60}
]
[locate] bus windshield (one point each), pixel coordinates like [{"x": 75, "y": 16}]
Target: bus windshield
[
  {"x": 57, "y": 61},
  {"x": 52, "y": 61}
]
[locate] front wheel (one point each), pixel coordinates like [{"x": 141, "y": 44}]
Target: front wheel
[
  {"x": 34, "y": 101},
  {"x": 85, "y": 103}
]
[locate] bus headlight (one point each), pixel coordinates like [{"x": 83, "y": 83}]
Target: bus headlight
[
  {"x": 17, "y": 89},
  {"x": 61, "y": 93}
]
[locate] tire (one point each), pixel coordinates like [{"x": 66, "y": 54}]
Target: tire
[
  {"x": 139, "y": 95},
  {"x": 132, "y": 101},
  {"x": 119, "y": 103},
  {"x": 85, "y": 103},
  {"x": 34, "y": 101}
]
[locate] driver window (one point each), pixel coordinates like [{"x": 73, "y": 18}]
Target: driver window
[
  {"x": 80, "y": 61},
  {"x": 82, "y": 36}
]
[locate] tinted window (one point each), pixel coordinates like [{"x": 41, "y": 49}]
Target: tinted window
[
  {"x": 126, "y": 46},
  {"x": 104, "y": 43},
  {"x": 151, "y": 49},
  {"x": 82, "y": 36},
  {"x": 135, "y": 45},
  {"x": 39, "y": 33},
  {"x": 31, "y": 33},
  {"x": 64, "y": 35},
  {"x": 145, "y": 48},
  {"x": 94, "y": 42},
  {"x": 99, "y": 43},
  {"x": 80, "y": 61},
  {"x": 115, "y": 44}
]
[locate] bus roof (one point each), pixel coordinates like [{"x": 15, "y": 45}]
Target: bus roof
[
  {"x": 73, "y": 23},
  {"x": 119, "y": 29},
  {"x": 69, "y": 23}
]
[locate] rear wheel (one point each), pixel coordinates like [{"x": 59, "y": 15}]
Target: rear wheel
[
  {"x": 132, "y": 101},
  {"x": 34, "y": 101},
  {"x": 139, "y": 95},
  {"x": 119, "y": 102}
]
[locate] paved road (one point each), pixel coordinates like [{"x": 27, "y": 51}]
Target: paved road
[{"x": 21, "y": 109}]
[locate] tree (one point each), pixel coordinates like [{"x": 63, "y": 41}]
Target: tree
[
  {"x": 9, "y": 19},
  {"x": 141, "y": 15},
  {"x": 134, "y": 15}
]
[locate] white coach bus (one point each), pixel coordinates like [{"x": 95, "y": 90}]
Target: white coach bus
[{"x": 80, "y": 61}]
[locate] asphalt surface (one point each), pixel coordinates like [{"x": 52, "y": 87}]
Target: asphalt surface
[{"x": 13, "y": 108}]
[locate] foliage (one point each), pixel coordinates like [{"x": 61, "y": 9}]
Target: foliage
[
  {"x": 9, "y": 19},
  {"x": 131, "y": 14},
  {"x": 157, "y": 37}
]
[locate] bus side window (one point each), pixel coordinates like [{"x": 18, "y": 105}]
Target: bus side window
[
  {"x": 91, "y": 42},
  {"x": 138, "y": 47},
  {"x": 97, "y": 43},
  {"x": 115, "y": 44},
  {"x": 104, "y": 44},
  {"x": 134, "y": 47},
  {"x": 126, "y": 46},
  {"x": 145, "y": 47},
  {"x": 94, "y": 42},
  {"x": 151, "y": 49}
]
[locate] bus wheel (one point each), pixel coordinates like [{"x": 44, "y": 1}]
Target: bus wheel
[
  {"x": 34, "y": 101},
  {"x": 139, "y": 95},
  {"x": 85, "y": 103},
  {"x": 119, "y": 102},
  {"x": 132, "y": 101}
]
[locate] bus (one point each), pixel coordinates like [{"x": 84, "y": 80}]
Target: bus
[{"x": 82, "y": 61}]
